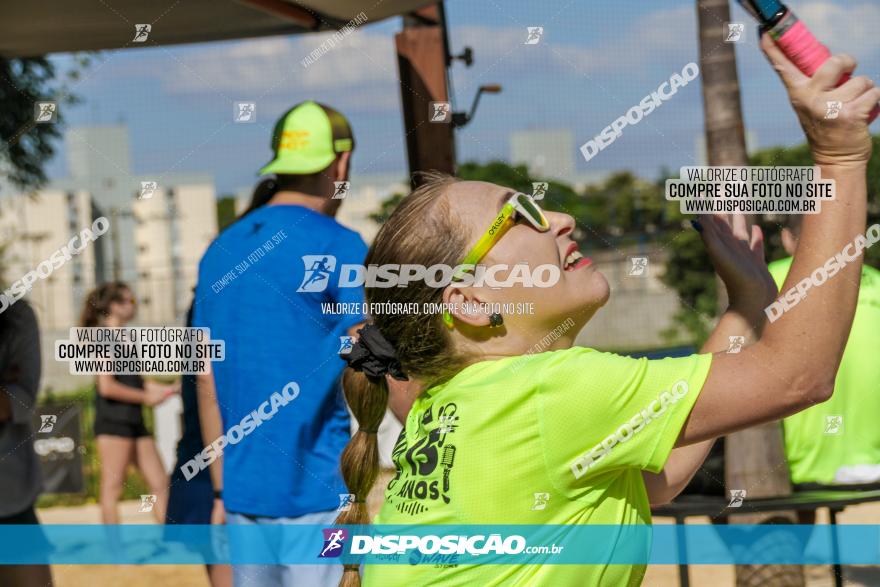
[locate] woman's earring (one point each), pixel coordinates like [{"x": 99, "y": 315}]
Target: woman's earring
[{"x": 495, "y": 320}]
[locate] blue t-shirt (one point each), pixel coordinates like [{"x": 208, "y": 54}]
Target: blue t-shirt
[{"x": 247, "y": 295}]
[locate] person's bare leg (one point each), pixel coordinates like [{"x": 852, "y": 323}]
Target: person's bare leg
[
  {"x": 115, "y": 453},
  {"x": 150, "y": 465},
  {"x": 220, "y": 575}
]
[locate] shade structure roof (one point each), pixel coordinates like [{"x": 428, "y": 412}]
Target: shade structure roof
[{"x": 31, "y": 28}]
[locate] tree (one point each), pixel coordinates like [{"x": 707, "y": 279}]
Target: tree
[
  {"x": 560, "y": 196},
  {"x": 624, "y": 210},
  {"x": 386, "y": 208},
  {"x": 25, "y": 145},
  {"x": 751, "y": 456},
  {"x": 619, "y": 211},
  {"x": 800, "y": 156},
  {"x": 225, "y": 211}
]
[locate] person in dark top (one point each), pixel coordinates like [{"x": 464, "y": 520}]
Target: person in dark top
[
  {"x": 121, "y": 436},
  {"x": 191, "y": 501},
  {"x": 20, "y": 481},
  {"x": 288, "y": 473}
]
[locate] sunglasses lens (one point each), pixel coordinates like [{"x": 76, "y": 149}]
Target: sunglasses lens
[{"x": 527, "y": 207}]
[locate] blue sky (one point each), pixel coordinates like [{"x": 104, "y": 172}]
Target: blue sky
[{"x": 595, "y": 61}]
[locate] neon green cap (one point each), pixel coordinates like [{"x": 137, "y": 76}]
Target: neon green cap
[{"x": 307, "y": 139}]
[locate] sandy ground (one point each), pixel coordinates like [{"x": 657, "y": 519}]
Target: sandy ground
[
  {"x": 113, "y": 575},
  {"x": 194, "y": 576},
  {"x": 817, "y": 575}
]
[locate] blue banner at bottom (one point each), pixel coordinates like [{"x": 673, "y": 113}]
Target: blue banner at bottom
[{"x": 452, "y": 544}]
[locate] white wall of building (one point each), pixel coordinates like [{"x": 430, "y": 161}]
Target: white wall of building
[
  {"x": 32, "y": 228},
  {"x": 172, "y": 231}
]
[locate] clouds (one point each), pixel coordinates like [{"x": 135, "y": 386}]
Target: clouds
[
  {"x": 852, "y": 29},
  {"x": 360, "y": 72},
  {"x": 272, "y": 64},
  {"x": 590, "y": 67},
  {"x": 658, "y": 37}
]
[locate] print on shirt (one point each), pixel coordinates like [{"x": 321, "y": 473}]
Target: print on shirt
[{"x": 420, "y": 483}]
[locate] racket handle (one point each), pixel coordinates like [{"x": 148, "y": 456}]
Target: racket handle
[{"x": 805, "y": 50}]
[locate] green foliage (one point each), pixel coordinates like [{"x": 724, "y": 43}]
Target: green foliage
[
  {"x": 625, "y": 210},
  {"x": 225, "y": 212},
  {"x": 516, "y": 177},
  {"x": 615, "y": 213},
  {"x": 26, "y": 146},
  {"x": 386, "y": 208},
  {"x": 560, "y": 197},
  {"x": 689, "y": 273}
]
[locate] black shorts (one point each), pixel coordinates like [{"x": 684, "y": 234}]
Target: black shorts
[{"x": 123, "y": 429}]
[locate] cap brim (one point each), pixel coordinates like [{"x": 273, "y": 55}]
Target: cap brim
[{"x": 299, "y": 166}]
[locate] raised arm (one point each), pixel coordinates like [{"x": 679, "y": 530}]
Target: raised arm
[
  {"x": 747, "y": 321},
  {"x": 794, "y": 364}
]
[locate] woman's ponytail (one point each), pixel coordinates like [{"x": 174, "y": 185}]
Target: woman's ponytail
[
  {"x": 367, "y": 397},
  {"x": 422, "y": 231},
  {"x": 265, "y": 191}
]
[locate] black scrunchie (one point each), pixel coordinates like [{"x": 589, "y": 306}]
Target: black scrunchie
[{"x": 373, "y": 355}]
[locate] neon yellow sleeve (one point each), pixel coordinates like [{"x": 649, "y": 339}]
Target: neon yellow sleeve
[{"x": 600, "y": 411}]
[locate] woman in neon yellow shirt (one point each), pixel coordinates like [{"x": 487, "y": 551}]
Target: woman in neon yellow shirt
[{"x": 592, "y": 437}]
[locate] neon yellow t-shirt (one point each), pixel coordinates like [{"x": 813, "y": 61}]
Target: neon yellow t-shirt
[
  {"x": 838, "y": 441},
  {"x": 503, "y": 436}
]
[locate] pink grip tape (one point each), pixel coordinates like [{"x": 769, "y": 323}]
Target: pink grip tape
[
  {"x": 808, "y": 54},
  {"x": 804, "y": 50}
]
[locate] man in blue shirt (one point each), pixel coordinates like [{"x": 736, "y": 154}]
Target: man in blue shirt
[{"x": 276, "y": 397}]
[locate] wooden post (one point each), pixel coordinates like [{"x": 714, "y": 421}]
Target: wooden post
[
  {"x": 422, "y": 60},
  {"x": 754, "y": 458}
]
